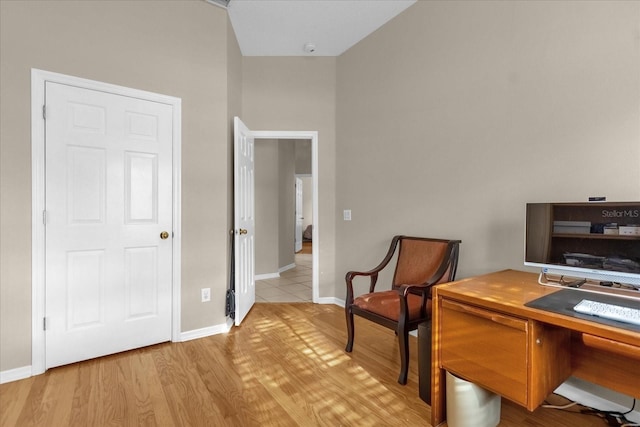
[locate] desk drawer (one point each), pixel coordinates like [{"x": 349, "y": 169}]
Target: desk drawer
[
  {"x": 486, "y": 348},
  {"x": 592, "y": 356}
]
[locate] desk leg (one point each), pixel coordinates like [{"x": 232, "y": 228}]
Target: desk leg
[{"x": 438, "y": 396}]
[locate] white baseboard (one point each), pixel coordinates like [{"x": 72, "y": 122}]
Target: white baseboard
[
  {"x": 206, "y": 332},
  {"x": 15, "y": 374},
  {"x": 266, "y": 276},
  {"x": 286, "y": 267},
  {"x": 331, "y": 300},
  {"x": 274, "y": 275},
  {"x": 595, "y": 396}
]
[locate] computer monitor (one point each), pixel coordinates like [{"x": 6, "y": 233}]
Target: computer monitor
[{"x": 598, "y": 242}]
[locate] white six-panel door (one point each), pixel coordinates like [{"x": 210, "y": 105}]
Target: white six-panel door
[
  {"x": 244, "y": 218},
  {"x": 108, "y": 201}
]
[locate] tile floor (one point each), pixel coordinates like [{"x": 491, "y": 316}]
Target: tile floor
[{"x": 292, "y": 286}]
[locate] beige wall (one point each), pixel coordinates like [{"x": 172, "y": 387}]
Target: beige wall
[
  {"x": 176, "y": 48},
  {"x": 286, "y": 202},
  {"x": 455, "y": 114},
  {"x": 303, "y": 157},
  {"x": 307, "y": 202},
  {"x": 274, "y": 204},
  {"x": 299, "y": 93},
  {"x": 267, "y": 210},
  {"x": 234, "y": 106}
]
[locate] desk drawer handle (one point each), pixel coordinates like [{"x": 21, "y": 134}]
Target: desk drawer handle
[
  {"x": 512, "y": 322},
  {"x": 610, "y": 346}
]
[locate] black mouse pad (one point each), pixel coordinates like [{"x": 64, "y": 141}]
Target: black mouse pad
[{"x": 564, "y": 300}]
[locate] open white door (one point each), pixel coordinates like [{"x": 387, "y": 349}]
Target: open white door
[
  {"x": 244, "y": 220},
  {"x": 299, "y": 217}
]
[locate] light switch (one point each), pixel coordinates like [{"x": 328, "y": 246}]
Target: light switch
[{"x": 347, "y": 214}]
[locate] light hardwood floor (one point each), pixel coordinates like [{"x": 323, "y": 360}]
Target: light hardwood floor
[{"x": 284, "y": 366}]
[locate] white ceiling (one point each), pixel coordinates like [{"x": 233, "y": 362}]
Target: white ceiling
[{"x": 283, "y": 27}]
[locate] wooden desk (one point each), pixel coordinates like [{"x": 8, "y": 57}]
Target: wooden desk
[{"x": 483, "y": 333}]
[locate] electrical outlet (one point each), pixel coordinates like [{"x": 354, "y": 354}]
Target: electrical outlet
[{"x": 206, "y": 294}]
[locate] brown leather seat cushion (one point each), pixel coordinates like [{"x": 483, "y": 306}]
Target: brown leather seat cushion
[{"x": 387, "y": 304}]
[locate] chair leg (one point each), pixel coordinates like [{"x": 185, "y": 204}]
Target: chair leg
[
  {"x": 350, "y": 331},
  {"x": 403, "y": 342}
]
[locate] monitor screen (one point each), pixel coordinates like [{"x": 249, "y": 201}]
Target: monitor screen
[{"x": 596, "y": 240}]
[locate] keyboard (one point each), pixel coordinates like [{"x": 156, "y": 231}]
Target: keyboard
[{"x": 609, "y": 311}]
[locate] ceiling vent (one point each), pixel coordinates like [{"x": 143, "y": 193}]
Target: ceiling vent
[{"x": 220, "y": 3}]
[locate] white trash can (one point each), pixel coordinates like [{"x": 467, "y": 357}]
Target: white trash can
[{"x": 469, "y": 405}]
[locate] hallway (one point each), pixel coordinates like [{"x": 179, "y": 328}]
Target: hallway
[{"x": 292, "y": 286}]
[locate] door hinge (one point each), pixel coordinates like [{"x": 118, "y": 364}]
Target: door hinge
[
  {"x": 44, "y": 112},
  {"x": 44, "y": 217},
  {"x": 44, "y": 323}
]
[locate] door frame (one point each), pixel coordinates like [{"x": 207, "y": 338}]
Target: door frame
[
  {"x": 38, "y": 182},
  {"x": 315, "y": 241}
]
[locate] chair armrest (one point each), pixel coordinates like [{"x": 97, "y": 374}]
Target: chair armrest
[
  {"x": 425, "y": 294},
  {"x": 349, "y": 280},
  {"x": 403, "y": 290},
  {"x": 373, "y": 273}
]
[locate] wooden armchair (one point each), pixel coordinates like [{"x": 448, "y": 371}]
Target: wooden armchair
[{"x": 421, "y": 263}]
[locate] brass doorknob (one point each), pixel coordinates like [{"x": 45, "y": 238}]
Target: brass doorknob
[
  {"x": 164, "y": 235},
  {"x": 242, "y": 231}
]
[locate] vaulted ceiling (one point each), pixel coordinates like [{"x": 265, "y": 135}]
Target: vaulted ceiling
[{"x": 306, "y": 27}]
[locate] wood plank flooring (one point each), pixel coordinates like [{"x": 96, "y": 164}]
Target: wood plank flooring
[
  {"x": 307, "y": 247},
  {"x": 285, "y": 366}
]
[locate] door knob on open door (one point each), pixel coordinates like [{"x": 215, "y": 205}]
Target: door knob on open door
[
  {"x": 242, "y": 231},
  {"x": 164, "y": 235}
]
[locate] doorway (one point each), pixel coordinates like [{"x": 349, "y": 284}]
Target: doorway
[{"x": 304, "y": 271}]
